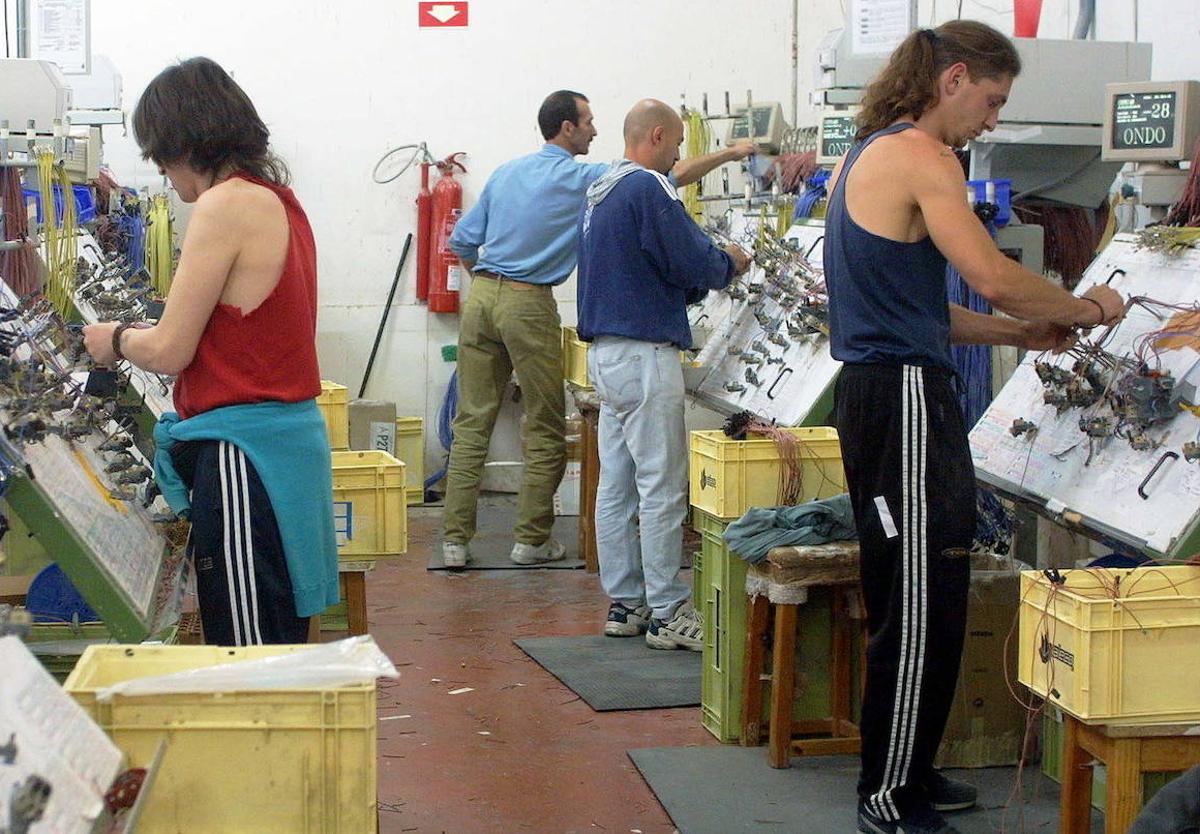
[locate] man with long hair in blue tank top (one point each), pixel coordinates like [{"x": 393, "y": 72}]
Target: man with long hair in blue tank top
[{"x": 896, "y": 215}]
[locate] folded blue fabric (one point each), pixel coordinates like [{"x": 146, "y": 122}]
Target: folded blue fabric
[
  {"x": 817, "y": 522},
  {"x": 289, "y": 448}
]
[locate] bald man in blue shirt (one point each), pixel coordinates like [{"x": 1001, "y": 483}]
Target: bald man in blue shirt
[{"x": 520, "y": 240}]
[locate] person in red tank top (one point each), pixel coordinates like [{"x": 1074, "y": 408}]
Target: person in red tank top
[{"x": 238, "y": 330}]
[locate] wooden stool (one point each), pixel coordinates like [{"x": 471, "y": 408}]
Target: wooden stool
[
  {"x": 1129, "y": 751},
  {"x": 779, "y": 586},
  {"x": 588, "y": 404},
  {"x": 352, "y": 579}
]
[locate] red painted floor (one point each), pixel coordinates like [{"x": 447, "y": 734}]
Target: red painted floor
[{"x": 520, "y": 752}]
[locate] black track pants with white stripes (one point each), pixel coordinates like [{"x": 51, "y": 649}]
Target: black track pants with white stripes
[
  {"x": 241, "y": 572},
  {"x": 912, "y": 485}
]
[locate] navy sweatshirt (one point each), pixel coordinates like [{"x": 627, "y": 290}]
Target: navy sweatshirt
[{"x": 640, "y": 259}]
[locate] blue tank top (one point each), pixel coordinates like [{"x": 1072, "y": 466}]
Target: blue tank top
[{"x": 887, "y": 298}]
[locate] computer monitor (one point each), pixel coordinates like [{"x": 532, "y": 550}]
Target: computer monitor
[
  {"x": 1151, "y": 121},
  {"x": 767, "y": 121},
  {"x": 835, "y": 134}
]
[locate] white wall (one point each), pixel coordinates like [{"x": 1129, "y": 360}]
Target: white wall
[{"x": 340, "y": 83}]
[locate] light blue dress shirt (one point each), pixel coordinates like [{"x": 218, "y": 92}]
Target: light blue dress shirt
[{"x": 526, "y": 217}]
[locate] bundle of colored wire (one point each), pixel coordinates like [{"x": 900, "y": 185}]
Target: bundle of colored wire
[
  {"x": 1071, "y": 237},
  {"x": 160, "y": 246},
  {"x": 791, "y": 472},
  {"x": 61, "y": 243},
  {"x": 445, "y": 426},
  {"x": 784, "y": 215},
  {"x": 794, "y": 169},
  {"x": 698, "y": 140},
  {"x": 974, "y": 365},
  {"x": 1186, "y": 212},
  {"x": 18, "y": 267},
  {"x": 814, "y": 192}
]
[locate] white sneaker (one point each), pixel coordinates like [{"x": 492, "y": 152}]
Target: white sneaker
[
  {"x": 455, "y": 555},
  {"x": 551, "y": 550},
  {"x": 685, "y": 630},
  {"x": 624, "y": 621}
]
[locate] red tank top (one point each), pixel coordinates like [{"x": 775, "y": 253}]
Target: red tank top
[{"x": 270, "y": 354}]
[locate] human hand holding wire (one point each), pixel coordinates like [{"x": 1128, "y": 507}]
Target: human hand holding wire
[
  {"x": 1112, "y": 305},
  {"x": 1045, "y": 335},
  {"x": 741, "y": 261}
]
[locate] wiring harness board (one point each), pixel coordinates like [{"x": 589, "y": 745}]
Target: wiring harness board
[
  {"x": 70, "y": 469},
  {"x": 1107, "y": 435},
  {"x": 764, "y": 340}
]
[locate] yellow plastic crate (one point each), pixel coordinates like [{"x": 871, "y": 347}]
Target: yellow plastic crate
[
  {"x": 410, "y": 450},
  {"x": 1132, "y": 658},
  {"x": 333, "y": 403},
  {"x": 370, "y": 514},
  {"x": 574, "y": 352},
  {"x": 296, "y": 760},
  {"x": 727, "y": 477}
]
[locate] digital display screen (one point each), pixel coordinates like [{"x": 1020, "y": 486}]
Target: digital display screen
[
  {"x": 1143, "y": 120},
  {"x": 837, "y": 135},
  {"x": 762, "y": 124}
]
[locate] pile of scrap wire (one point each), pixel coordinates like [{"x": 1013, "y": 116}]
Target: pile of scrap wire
[
  {"x": 742, "y": 425},
  {"x": 1186, "y": 212}
]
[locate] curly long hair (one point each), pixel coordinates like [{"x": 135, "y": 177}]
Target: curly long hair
[
  {"x": 194, "y": 112},
  {"x": 907, "y": 86}
]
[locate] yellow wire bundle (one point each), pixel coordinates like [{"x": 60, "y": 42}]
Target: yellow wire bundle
[
  {"x": 61, "y": 243},
  {"x": 160, "y": 246},
  {"x": 698, "y": 140},
  {"x": 784, "y": 208}
]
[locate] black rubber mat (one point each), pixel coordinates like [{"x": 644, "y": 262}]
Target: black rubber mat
[
  {"x": 619, "y": 673},
  {"x": 493, "y": 541},
  {"x": 732, "y": 790}
]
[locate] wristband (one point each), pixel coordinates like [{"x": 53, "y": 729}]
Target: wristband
[
  {"x": 118, "y": 332},
  {"x": 1098, "y": 307}
]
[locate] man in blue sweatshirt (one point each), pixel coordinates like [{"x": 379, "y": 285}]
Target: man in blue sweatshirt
[
  {"x": 641, "y": 259},
  {"x": 519, "y": 241}
]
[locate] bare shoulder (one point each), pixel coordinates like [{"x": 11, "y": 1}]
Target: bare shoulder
[
  {"x": 933, "y": 161},
  {"x": 238, "y": 203}
]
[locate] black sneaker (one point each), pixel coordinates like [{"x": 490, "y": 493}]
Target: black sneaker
[
  {"x": 624, "y": 621},
  {"x": 946, "y": 794},
  {"x": 925, "y": 821}
]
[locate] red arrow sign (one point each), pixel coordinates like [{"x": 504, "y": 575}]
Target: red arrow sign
[{"x": 435, "y": 14}]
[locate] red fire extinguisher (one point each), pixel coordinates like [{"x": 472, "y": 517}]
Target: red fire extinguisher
[
  {"x": 447, "y": 198},
  {"x": 424, "y": 229}
]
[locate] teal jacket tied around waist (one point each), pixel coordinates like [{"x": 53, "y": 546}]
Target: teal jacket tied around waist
[{"x": 288, "y": 446}]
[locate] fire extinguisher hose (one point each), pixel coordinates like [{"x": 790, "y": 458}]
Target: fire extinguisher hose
[{"x": 420, "y": 153}]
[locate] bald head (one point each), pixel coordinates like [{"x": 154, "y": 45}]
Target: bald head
[
  {"x": 646, "y": 115},
  {"x": 653, "y": 132}
]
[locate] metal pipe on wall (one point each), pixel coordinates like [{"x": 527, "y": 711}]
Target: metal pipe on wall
[
  {"x": 22, "y": 28},
  {"x": 795, "y": 62},
  {"x": 1086, "y": 23}
]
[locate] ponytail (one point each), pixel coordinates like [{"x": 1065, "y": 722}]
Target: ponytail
[{"x": 907, "y": 86}]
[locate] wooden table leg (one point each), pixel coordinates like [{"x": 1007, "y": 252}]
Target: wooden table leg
[
  {"x": 1123, "y": 799},
  {"x": 840, "y": 661},
  {"x": 752, "y": 679},
  {"x": 1075, "y": 805},
  {"x": 589, "y": 479},
  {"x": 783, "y": 684},
  {"x": 355, "y": 587}
]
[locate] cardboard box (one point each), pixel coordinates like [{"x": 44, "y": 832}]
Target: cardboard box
[
  {"x": 986, "y": 726},
  {"x": 372, "y": 426}
]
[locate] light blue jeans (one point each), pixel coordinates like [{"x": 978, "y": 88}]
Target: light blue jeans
[{"x": 641, "y": 501}]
